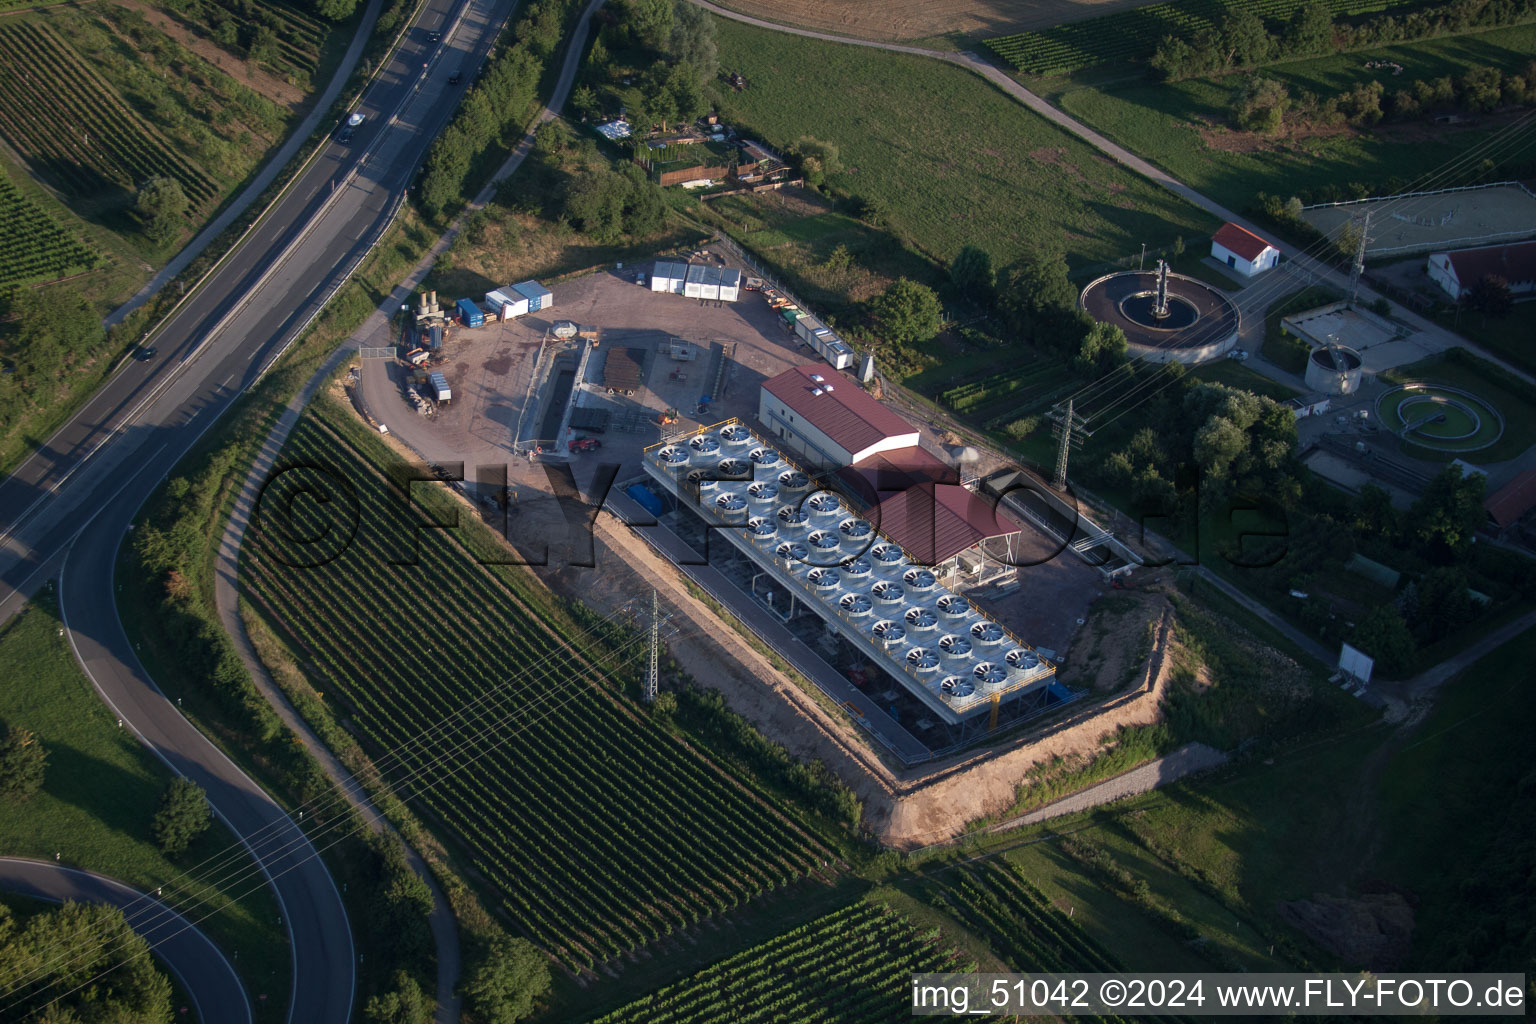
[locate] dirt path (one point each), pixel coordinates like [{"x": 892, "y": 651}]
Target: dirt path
[{"x": 1190, "y": 758}]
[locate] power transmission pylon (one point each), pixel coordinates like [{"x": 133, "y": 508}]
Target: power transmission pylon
[
  {"x": 1359, "y": 265},
  {"x": 1070, "y": 429},
  {"x": 653, "y": 676}
]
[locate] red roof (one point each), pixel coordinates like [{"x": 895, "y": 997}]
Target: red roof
[
  {"x": 1240, "y": 241},
  {"x": 1506, "y": 505},
  {"x": 1514, "y": 263},
  {"x": 842, "y": 410},
  {"x": 883, "y": 473},
  {"x": 935, "y": 522}
]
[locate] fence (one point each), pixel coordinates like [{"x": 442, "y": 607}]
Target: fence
[{"x": 1431, "y": 192}]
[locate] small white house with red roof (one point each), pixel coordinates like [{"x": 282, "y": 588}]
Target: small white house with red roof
[{"x": 1243, "y": 251}]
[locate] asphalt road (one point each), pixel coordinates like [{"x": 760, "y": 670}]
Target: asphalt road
[
  {"x": 67, "y": 509},
  {"x": 205, "y": 975}
]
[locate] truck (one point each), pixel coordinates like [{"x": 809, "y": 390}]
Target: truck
[{"x": 470, "y": 313}]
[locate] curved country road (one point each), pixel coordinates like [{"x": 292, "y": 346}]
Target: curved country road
[
  {"x": 207, "y": 977},
  {"x": 68, "y": 509}
]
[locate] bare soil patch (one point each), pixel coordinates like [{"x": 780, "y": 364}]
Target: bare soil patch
[{"x": 247, "y": 73}]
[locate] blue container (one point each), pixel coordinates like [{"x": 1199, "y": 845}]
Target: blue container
[{"x": 470, "y": 313}]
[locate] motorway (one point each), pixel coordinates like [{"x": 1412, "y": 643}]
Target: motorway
[
  {"x": 206, "y": 976},
  {"x": 66, "y": 510}
]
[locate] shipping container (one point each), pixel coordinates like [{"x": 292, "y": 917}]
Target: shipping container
[
  {"x": 440, "y": 388},
  {"x": 806, "y": 327},
  {"x": 709, "y": 283},
  {"x": 537, "y": 295},
  {"x": 470, "y": 313},
  {"x": 512, "y": 303},
  {"x": 730, "y": 285},
  {"x": 668, "y": 277},
  {"x": 693, "y": 284}
]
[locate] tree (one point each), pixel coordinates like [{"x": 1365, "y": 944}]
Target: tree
[
  {"x": 1260, "y": 105},
  {"x": 406, "y": 1004},
  {"x": 162, "y": 207},
  {"x": 1246, "y": 40},
  {"x": 1491, "y": 296},
  {"x": 584, "y": 102},
  {"x": 972, "y": 274},
  {"x": 1385, "y": 637},
  {"x": 595, "y": 204},
  {"x": 23, "y": 762},
  {"x": 1445, "y": 518},
  {"x": 649, "y": 22},
  {"x": 1310, "y": 31},
  {"x": 183, "y": 815},
  {"x": 692, "y": 40},
  {"x": 686, "y": 91},
  {"x": 644, "y": 209},
  {"x": 1217, "y": 446},
  {"x": 908, "y": 312},
  {"x": 84, "y": 964},
  {"x": 1104, "y": 347},
  {"x": 1443, "y": 603},
  {"x": 1348, "y": 241},
  {"x": 817, "y": 159},
  {"x": 1036, "y": 294},
  {"x": 336, "y": 10},
  {"x": 505, "y": 976}
]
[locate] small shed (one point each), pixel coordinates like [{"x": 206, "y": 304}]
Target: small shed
[
  {"x": 1242, "y": 250},
  {"x": 537, "y": 295},
  {"x": 693, "y": 283},
  {"x": 730, "y": 284}
]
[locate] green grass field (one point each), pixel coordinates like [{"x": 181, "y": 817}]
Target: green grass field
[
  {"x": 1483, "y": 380},
  {"x": 952, "y": 159},
  {"x": 98, "y": 798},
  {"x": 1133, "y": 35},
  {"x": 1182, "y": 127}
]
